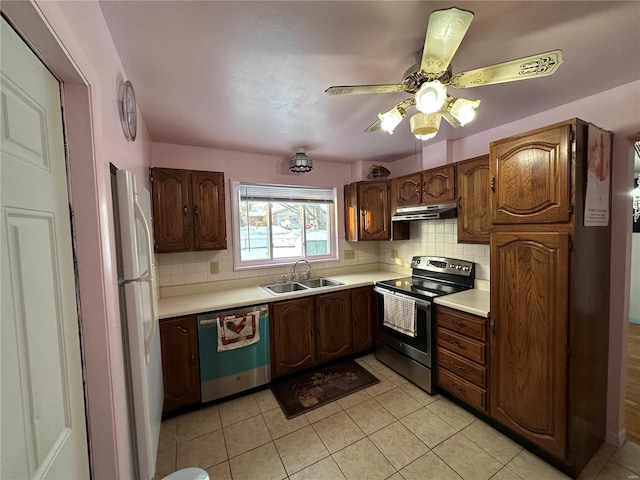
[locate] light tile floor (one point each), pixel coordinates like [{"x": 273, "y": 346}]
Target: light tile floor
[{"x": 392, "y": 430}]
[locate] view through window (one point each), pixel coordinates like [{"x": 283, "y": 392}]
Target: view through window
[{"x": 278, "y": 224}]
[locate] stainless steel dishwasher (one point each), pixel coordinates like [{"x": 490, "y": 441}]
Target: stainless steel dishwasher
[{"x": 224, "y": 373}]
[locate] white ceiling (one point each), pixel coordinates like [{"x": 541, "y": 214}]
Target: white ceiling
[{"x": 251, "y": 75}]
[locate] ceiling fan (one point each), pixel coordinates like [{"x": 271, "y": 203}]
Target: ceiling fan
[{"x": 429, "y": 78}]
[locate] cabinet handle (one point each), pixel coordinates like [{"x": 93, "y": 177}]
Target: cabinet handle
[
  {"x": 460, "y": 367},
  {"x": 459, "y": 388},
  {"x": 424, "y": 186},
  {"x": 317, "y": 330},
  {"x": 196, "y": 211},
  {"x": 457, "y": 322},
  {"x": 185, "y": 210},
  {"x": 455, "y": 343},
  {"x": 459, "y": 203},
  {"x": 493, "y": 184}
]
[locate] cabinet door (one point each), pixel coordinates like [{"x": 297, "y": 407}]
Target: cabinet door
[
  {"x": 180, "y": 365},
  {"x": 373, "y": 201},
  {"x": 530, "y": 178},
  {"x": 473, "y": 181},
  {"x": 172, "y": 215},
  {"x": 333, "y": 325},
  {"x": 351, "y": 213},
  {"x": 407, "y": 190},
  {"x": 439, "y": 185},
  {"x": 363, "y": 318},
  {"x": 293, "y": 340},
  {"x": 528, "y": 368},
  {"x": 207, "y": 190}
]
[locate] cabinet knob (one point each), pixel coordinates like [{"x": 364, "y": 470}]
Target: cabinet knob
[
  {"x": 493, "y": 184},
  {"x": 196, "y": 211},
  {"x": 185, "y": 210},
  {"x": 459, "y": 203}
]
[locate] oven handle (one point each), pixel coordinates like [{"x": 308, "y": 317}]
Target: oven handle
[{"x": 423, "y": 304}]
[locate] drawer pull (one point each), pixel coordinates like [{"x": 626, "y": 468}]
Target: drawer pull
[
  {"x": 459, "y": 388},
  {"x": 457, "y": 322},
  {"x": 455, "y": 343},
  {"x": 460, "y": 367}
]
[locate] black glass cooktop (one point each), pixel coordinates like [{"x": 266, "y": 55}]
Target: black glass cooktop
[{"x": 421, "y": 287}]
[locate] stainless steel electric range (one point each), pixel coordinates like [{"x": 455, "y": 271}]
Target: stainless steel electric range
[{"x": 405, "y": 330}]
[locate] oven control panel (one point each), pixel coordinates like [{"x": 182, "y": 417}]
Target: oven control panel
[{"x": 442, "y": 265}]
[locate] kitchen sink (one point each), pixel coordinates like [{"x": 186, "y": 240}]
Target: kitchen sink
[
  {"x": 286, "y": 287},
  {"x": 320, "y": 282},
  {"x": 289, "y": 287}
]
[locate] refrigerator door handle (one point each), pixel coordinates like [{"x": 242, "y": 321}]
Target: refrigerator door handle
[{"x": 148, "y": 277}]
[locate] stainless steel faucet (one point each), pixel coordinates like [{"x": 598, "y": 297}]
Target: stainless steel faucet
[{"x": 303, "y": 275}]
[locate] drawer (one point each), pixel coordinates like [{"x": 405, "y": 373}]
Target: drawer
[
  {"x": 462, "y": 367},
  {"x": 460, "y": 388},
  {"x": 464, "y": 346},
  {"x": 470, "y": 325}
]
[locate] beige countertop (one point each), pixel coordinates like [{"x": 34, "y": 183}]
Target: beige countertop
[
  {"x": 474, "y": 301},
  {"x": 254, "y": 294}
]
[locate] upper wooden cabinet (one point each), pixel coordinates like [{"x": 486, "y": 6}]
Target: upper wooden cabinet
[
  {"x": 429, "y": 187},
  {"x": 474, "y": 223},
  {"x": 188, "y": 210},
  {"x": 366, "y": 211},
  {"x": 530, "y": 180}
]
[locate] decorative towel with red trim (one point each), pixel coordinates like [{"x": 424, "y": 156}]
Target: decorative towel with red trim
[{"x": 238, "y": 331}]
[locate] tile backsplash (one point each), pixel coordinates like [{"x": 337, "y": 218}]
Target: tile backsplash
[{"x": 435, "y": 237}]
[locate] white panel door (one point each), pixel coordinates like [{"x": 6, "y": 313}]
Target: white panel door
[{"x": 43, "y": 412}]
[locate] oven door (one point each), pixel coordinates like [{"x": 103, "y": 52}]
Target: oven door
[{"x": 421, "y": 347}]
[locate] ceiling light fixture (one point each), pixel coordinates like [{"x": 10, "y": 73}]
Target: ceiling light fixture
[
  {"x": 431, "y": 97},
  {"x": 300, "y": 163},
  {"x": 424, "y": 126},
  {"x": 462, "y": 110},
  {"x": 391, "y": 119}
]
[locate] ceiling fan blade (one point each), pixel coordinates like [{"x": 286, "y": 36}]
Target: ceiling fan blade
[
  {"x": 445, "y": 32},
  {"x": 359, "y": 89},
  {"x": 540, "y": 65},
  {"x": 374, "y": 127}
]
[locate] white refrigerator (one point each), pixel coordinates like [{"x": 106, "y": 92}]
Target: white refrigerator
[{"x": 141, "y": 336}]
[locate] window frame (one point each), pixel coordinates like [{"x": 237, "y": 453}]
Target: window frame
[{"x": 332, "y": 222}]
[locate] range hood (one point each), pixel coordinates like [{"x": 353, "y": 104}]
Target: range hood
[{"x": 425, "y": 212}]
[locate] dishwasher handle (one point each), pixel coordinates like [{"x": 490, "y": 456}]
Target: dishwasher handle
[{"x": 204, "y": 322}]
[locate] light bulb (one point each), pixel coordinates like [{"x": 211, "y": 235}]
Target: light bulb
[
  {"x": 391, "y": 119},
  {"x": 464, "y": 110},
  {"x": 431, "y": 97}
]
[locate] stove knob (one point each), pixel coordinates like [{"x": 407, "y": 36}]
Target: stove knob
[{"x": 459, "y": 267}]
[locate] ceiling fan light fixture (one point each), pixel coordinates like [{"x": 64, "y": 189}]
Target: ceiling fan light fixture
[
  {"x": 391, "y": 119},
  {"x": 431, "y": 97},
  {"x": 463, "y": 110},
  {"x": 300, "y": 163},
  {"x": 424, "y": 126}
]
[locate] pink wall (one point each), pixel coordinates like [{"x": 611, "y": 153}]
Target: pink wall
[
  {"x": 73, "y": 40},
  {"x": 252, "y": 167}
]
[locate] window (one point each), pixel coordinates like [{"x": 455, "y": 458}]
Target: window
[{"x": 278, "y": 224}]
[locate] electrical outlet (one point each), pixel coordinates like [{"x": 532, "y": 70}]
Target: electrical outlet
[
  {"x": 394, "y": 253},
  {"x": 349, "y": 254},
  {"x": 214, "y": 268}
]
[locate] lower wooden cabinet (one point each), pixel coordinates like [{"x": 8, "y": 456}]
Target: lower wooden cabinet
[
  {"x": 363, "y": 316},
  {"x": 461, "y": 353},
  {"x": 333, "y": 325},
  {"x": 292, "y": 335},
  {"x": 313, "y": 330},
  {"x": 180, "y": 364}
]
